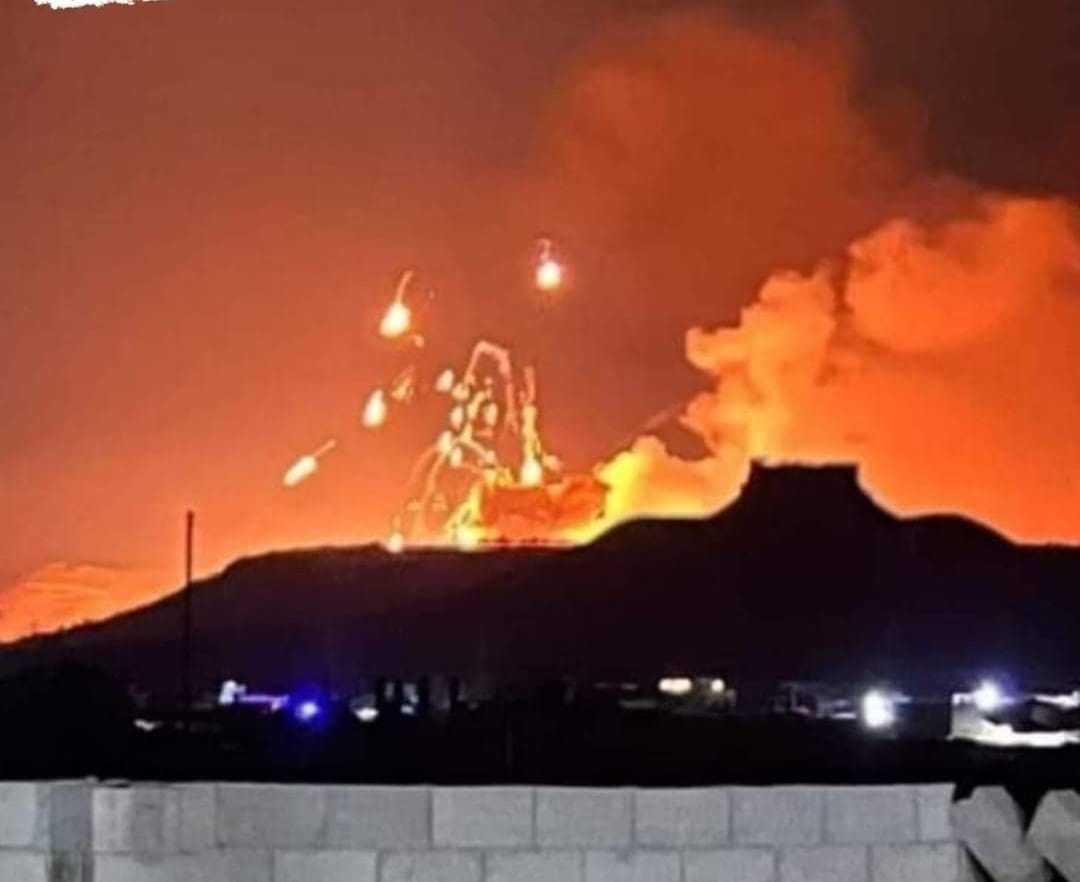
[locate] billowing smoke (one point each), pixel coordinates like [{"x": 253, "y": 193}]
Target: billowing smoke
[{"x": 941, "y": 359}]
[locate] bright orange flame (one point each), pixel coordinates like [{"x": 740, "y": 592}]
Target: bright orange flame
[
  {"x": 395, "y": 542},
  {"x": 375, "y": 410}
]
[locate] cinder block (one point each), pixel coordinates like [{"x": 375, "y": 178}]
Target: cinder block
[
  {"x": 583, "y": 817},
  {"x": 637, "y": 866},
  {"x": 378, "y": 817},
  {"x": 730, "y": 865},
  {"x": 215, "y": 866},
  {"x": 271, "y": 816},
  {"x": 196, "y": 823},
  {"x": 1055, "y": 832},
  {"x": 72, "y": 866},
  {"x": 934, "y": 802},
  {"x": 324, "y": 866},
  {"x": 552, "y": 866},
  {"x": 69, "y": 812},
  {"x": 129, "y": 820},
  {"x": 684, "y": 817},
  {"x": 990, "y": 824},
  {"x": 430, "y": 866},
  {"x": 23, "y": 814},
  {"x": 483, "y": 817},
  {"x": 825, "y": 863},
  {"x": 777, "y": 815},
  {"x": 151, "y": 819},
  {"x": 20, "y": 866},
  {"x": 940, "y": 862},
  {"x": 862, "y": 815},
  {"x": 69, "y": 840}
]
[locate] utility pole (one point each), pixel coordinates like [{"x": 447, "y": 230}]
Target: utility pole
[{"x": 189, "y": 553}]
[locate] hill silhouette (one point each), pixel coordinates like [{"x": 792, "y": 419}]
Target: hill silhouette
[{"x": 804, "y": 576}]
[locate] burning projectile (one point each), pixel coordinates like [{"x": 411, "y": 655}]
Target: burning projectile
[
  {"x": 307, "y": 465},
  {"x": 375, "y": 410},
  {"x": 549, "y": 272},
  {"x": 397, "y": 320}
]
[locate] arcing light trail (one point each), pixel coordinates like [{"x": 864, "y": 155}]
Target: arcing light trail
[
  {"x": 487, "y": 477},
  {"x": 307, "y": 465}
]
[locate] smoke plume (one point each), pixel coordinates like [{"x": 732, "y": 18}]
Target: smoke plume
[{"x": 940, "y": 359}]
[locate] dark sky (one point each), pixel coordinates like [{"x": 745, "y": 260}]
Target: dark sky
[{"x": 207, "y": 206}]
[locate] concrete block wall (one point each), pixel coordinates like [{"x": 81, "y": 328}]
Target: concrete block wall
[{"x": 299, "y": 833}]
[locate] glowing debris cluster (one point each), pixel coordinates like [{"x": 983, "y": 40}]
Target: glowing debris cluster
[{"x": 487, "y": 475}]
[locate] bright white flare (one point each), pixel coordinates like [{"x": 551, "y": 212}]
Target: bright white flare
[
  {"x": 396, "y": 321},
  {"x": 307, "y": 465},
  {"x": 532, "y": 473},
  {"x": 549, "y": 275},
  {"x": 878, "y": 710},
  {"x": 676, "y": 685},
  {"x": 549, "y": 272},
  {"x": 375, "y": 410},
  {"x": 988, "y": 697}
]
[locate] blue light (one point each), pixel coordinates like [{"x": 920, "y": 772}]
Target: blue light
[{"x": 307, "y": 711}]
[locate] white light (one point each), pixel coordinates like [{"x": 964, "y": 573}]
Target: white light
[
  {"x": 676, "y": 685},
  {"x": 549, "y": 275},
  {"x": 878, "y": 710},
  {"x": 367, "y": 714},
  {"x": 230, "y": 692},
  {"x": 718, "y": 687},
  {"x": 988, "y": 697}
]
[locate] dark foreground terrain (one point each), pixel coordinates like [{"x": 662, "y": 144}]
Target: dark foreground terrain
[{"x": 803, "y": 577}]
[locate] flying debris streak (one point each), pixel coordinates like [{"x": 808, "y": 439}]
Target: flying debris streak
[
  {"x": 307, "y": 465},
  {"x": 375, "y": 411},
  {"x": 397, "y": 320}
]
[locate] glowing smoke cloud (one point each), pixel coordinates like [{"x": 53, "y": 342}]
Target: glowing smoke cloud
[{"x": 940, "y": 360}]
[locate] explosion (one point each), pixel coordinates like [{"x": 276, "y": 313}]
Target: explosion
[{"x": 487, "y": 478}]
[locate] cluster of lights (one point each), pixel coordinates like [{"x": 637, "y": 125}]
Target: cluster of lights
[{"x": 682, "y": 686}]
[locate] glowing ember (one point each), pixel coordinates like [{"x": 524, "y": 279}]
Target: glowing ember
[
  {"x": 445, "y": 382},
  {"x": 375, "y": 410},
  {"x": 307, "y": 465},
  {"x": 397, "y": 320},
  {"x": 395, "y": 542},
  {"x": 532, "y": 473},
  {"x": 549, "y": 275},
  {"x": 549, "y": 272}
]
